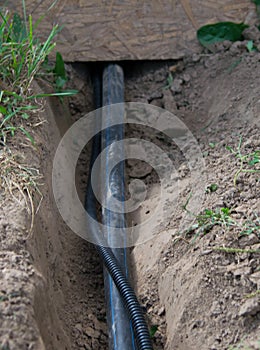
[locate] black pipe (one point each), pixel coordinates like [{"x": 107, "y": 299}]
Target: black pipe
[
  {"x": 129, "y": 299},
  {"x": 113, "y": 187}
]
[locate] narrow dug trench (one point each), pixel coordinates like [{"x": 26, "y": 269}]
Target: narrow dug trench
[
  {"x": 193, "y": 292},
  {"x": 71, "y": 311}
]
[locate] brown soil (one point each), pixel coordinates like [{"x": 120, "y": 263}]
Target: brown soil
[{"x": 51, "y": 283}]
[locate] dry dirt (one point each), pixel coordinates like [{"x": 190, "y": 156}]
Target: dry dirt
[{"x": 51, "y": 294}]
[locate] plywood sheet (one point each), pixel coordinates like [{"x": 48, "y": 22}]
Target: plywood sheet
[{"x": 111, "y": 30}]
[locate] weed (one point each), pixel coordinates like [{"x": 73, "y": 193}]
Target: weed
[
  {"x": 251, "y": 227},
  {"x": 210, "y": 218},
  {"x": 212, "y": 144},
  {"x": 234, "y": 65},
  {"x": 236, "y": 250},
  {"x": 22, "y": 58},
  {"x": 211, "y": 188},
  {"x": 169, "y": 81},
  {"x": 250, "y": 46},
  {"x": 247, "y": 162},
  {"x": 21, "y": 181},
  {"x": 153, "y": 330},
  {"x": 252, "y": 295}
]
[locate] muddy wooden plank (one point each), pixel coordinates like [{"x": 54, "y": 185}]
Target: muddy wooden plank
[{"x": 110, "y": 30}]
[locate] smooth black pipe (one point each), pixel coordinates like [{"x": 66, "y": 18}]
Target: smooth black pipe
[
  {"x": 113, "y": 187},
  {"x": 134, "y": 310}
]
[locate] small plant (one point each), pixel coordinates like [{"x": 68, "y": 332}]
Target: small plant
[
  {"x": 250, "y": 46},
  {"x": 212, "y": 144},
  {"x": 236, "y": 250},
  {"x": 211, "y": 188},
  {"x": 169, "y": 81},
  {"x": 252, "y": 295},
  {"x": 21, "y": 59},
  {"x": 210, "y": 218},
  {"x": 56, "y": 75},
  {"x": 153, "y": 330},
  {"x": 247, "y": 162},
  {"x": 251, "y": 227}
]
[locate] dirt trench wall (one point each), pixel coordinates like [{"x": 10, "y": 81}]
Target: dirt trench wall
[
  {"x": 31, "y": 293},
  {"x": 197, "y": 296},
  {"x": 45, "y": 244}
]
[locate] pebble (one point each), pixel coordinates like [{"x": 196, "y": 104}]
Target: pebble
[
  {"x": 186, "y": 78},
  {"x": 159, "y": 76},
  {"x": 206, "y": 252},
  {"x": 250, "y": 240},
  {"x": 216, "y": 308},
  {"x": 155, "y": 95},
  {"x": 195, "y": 57},
  {"x": 161, "y": 311},
  {"x": 176, "y": 87},
  {"x": 242, "y": 271},
  {"x": 78, "y": 326},
  {"x": 255, "y": 278},
  {"x": 236, "y": 47},
  {"x": 92, "y": 333},
  {"x": 250, "y": 307},
  {"x": 251, "y": 33}
]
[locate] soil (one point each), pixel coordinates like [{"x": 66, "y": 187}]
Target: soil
[{"x": 196, "y": 294}]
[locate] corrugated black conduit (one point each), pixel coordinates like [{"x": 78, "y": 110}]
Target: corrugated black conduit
[{"x": 115, "y": 270}]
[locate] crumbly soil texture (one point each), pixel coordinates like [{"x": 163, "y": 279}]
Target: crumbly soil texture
[{"x": 199, "y": 283}]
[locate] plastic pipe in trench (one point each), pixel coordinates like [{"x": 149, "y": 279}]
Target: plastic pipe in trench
[{"x": 126, "y": 323}]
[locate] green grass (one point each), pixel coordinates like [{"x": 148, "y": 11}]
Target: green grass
[
  {"x": 251, "y": 226},
  {"x": 236, "y": 250},
  {"x": 247, "y": 162},
  {"x": 221, "y": 217},
  {"x": 210, "y": 218},
  {"x": 23, "y": 58}
]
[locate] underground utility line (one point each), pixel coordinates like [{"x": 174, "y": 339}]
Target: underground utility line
[{"x": 127, "y": 328}]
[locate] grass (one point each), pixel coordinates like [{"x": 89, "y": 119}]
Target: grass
[
  {"x": 247, "y": 162},
  {"x": 23, "y": 58},
  {"x": 236, "y": 250},
  {"x": 221, "y": 217},
  {"x": 21, "y": 181},
  {"x": 207, "y": 219},
  {"x": 210, "y": 218},
  {"x": 251, "y": 226},
  {"x": 253, "y": 294}
]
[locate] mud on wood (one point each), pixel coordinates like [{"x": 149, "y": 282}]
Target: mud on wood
[{"x": 110, "y": 30}]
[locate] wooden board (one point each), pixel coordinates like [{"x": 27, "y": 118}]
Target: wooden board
[{"x": 111, "y": 30}]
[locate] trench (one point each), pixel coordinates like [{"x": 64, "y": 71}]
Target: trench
[
  {"x": 72, "y": 275},
  {"x": 69, "y": 302}
]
